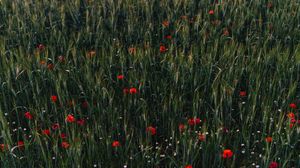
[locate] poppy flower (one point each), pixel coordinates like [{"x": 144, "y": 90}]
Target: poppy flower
[
  {"x": 46, "y": 132},
  {"x": 291, "y": 115},
  {"x": 84, "y": 104},
  {"x": 162, "y": 49},
  {"x": 151, "y": 129},
  {"x": 115, "y": 144},
  {"x": 273, "y": 165},
  {"x": 20, "y": 145},
  {"x": 3, "y": 147},
  {"x": 80, "y": 122},
  {"x": 132, "y": 90},
  {"x": 181, "y": 127},
  {"x": 168, "y": 37},
  {"x": 211, "y": 12},
  {"x": 61, "y": 59},
  {"x": 120, "y": 77},
  {"x": 53, "y": 98},
  {"x": 132, "y": 50},
  {"x": 125, "y": 90},
  {"x": 202, "y": 137},
  {"x": 65, "y": 145},
  {"x": 55, "y": 126},
  {"x": 188, "y": 166},
  {"x": 165, "y": 23},
  {"x": 194, "y": 121},
  {"x": 269, "y": 139},
  {"x": 41, "y": 47},
  {"x": 28, "y": 115},
  {"x": 63, "y": 136},
  {"x": 225, "y": 32},
  {"x": 243, "y": 93},
  {"x": 293, "y": 106},
  {"x": 227, "y": 153},
  {"x": 70, "y": 118},
  {"x": 91, "y": 54},
  {"x": 50, "y": 66}
]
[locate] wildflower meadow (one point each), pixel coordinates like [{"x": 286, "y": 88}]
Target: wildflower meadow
[{"x": 149, "y": 83}]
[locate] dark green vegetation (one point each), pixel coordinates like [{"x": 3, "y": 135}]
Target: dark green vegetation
[{"x": 231, "y": 64}]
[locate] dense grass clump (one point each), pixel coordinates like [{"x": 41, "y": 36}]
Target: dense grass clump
[{"x": 150, "y": 83}]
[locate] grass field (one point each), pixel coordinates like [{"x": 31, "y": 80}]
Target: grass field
[{"x": 150, "y": 83}]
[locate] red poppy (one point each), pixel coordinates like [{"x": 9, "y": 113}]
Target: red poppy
[
  {"x": 132, "y": 90},
  {"x": 162, "y": 49},
  {"x": 70, "y": 118},
  {"x": 65, "y": 145},
  {"x": 115, "y": 144},
  {"x": 151, "y": 129},
  {"x": 120, "y": 77},
  {"x": 202, "y": 137},
  {"x": 80, "y": 122},
  {"x": 53, "y": 98},
  {"x": 165, "y": 23},
  {"x": 28, "y": 115},
  {"x": 61, "y": 59},
  {"x": 168, "y": 37},
  {"x": 41, "y": 47},
  {"x": 227, "y": 153},
  {"x": 132, "y": 50},
  {"x": 211, "y": 12},
  {"x": 50, "y": 66},
  {"x": 243, "y": 93},
  {"x": 273, "y": 165},
  {"x": 293, "y": 106},
  {"x": 269, "y": 139},
  {"x": 188, "y": 166},
  {"x": 291, "y": 125},
  {"x": 194, "y": 121},
  {"x": 91, "y": 54},
  {"x": 46, "y": 132},
  {"x": 2, "y": 147},
  {"x": 291, "y": 115},
  {"x": 125, "y": 90},
  {"x": 55, "y": 126},
  {"x": 225, "y": 32},
  {"x": 181, "y": 127},
  {"x": 63, "y": 136},
  {"x": 20, "y": 145}
]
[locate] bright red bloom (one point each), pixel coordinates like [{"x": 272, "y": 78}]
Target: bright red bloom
[
  {"x": 63, "y": 136},
  {"x": 273, "y": 165},
  {"x": 20, "y": 145},
  {"x": 115, "y": 144},
  {"x": 181, "y": 127},
  {"x": 120, "y": 77},
  {"x": 291, "y": 125},
  {"x": 211, "y": 12},
  {"x": 80, "y": 122},
  {"x": 46, "y": 132},
  {"x": 70, "y": 118},
  {"x": 162, "y": 48},
  {"x": 291, "y": 115},
  {"x": 151, "y": 129},
  {"x": 65, "y": 145},
  {"x": 53, "y": 98},
  {"x": 227, "y": 153},
  {"x": 293, "y": 106},
  {"x": 132, "y": 90},
  {"x": 202, "y": 137},
  {"x": 28, "y": 115},
  {"x": 55, "y": 126},
  {"x": 269, "y": 139},
  {"x": 188, "y": 166},
  {"x": 243, "y": 93},
  {"x": 194, "y": 121},
  {"x": 166, "y": 23},
  {"x": 168, "y": 37}
]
